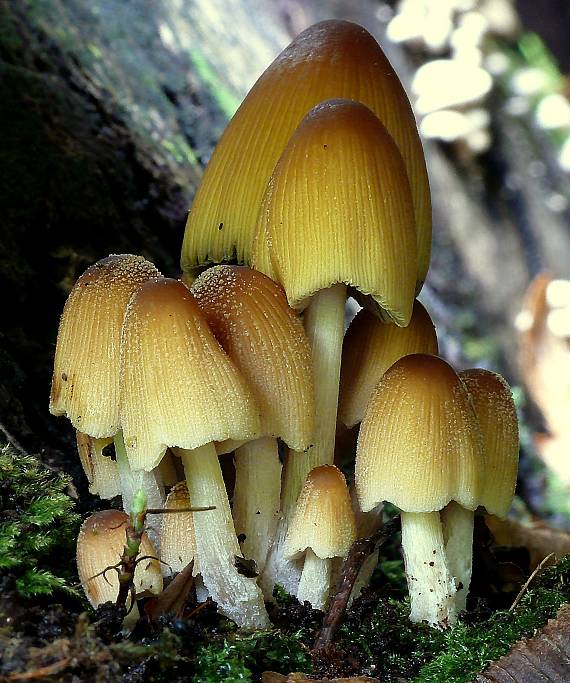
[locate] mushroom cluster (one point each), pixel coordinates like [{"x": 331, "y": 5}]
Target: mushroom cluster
[{"x": 317, "y": 191}]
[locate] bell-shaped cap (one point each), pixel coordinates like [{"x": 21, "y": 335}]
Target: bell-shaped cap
[
  {"x": 370, "y": 347},
  {"x": 332, "y": 59},
  {"x": 250, "y": 317},
  {"x": 323, "y": 520},
  {"x": 100, "y": 469},
  {"x": 85, "y": 384},
  {"x": 177, "y": 539},
  {"x": 338, "y": 208},
  {"x": 178, "y": 388},
  {"x": 100, "y": 545},
  {"x": 497, "y": 417},
  {"x": 419, "y": 445}
]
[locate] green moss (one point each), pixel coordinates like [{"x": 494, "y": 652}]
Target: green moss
[
  {"x": 243, "y": 658},
  {"x": 38, "y": 527},
  {"x": 468, "y": 650}
]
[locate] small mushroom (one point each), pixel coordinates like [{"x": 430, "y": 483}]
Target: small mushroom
[
  {"x": 323, "y": 528},
  {"x": 100, "y": 545}
]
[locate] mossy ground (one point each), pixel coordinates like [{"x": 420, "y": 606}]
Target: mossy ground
[{"x": 45, "y": 625}]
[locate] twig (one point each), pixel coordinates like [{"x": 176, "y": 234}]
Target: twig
[
  {"x": 42, "y": 672},
  {"x": 530, "y": 579},
  {"x": 360, "y": 550},
  {"x": 163, "y": 511},
  {"x": 135, "y": 529}
]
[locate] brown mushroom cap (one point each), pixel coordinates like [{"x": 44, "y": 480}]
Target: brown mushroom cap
[
  {"x": 100, "y": 545},
  {"x": 331, "y": 59},
  {"x": 419, "y": 445},
  {"x": 323, "y": 520},
  {"x": 85, "y": 384},
  {"x": 249, "y": 315},
  {"x": 179, "y": 388},
  {"x": 338, "y": 208},
  {"x": 370, "y": 347},
  {"x": 497, "y": 417}
]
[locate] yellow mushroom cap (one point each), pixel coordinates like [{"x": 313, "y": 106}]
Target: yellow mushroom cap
[
  {"x": 177, "y": 539},
  {"x": 100, "y": 545},
  {"x": 332, "y": 59},
  {"x": 497, "y": 417},
  {"x": 179, "y": 388},
  {"x": 85, "y": 384},
  {"x": 370, "y": 347},
  {"x": 249, "y": 315},
  {"x": 338, "y": 208},
  {"x": 419, "y": 445},
  {"x": 324, "y": 519}
]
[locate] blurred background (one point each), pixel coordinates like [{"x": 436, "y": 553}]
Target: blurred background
[{"x": 110, "y": 110}]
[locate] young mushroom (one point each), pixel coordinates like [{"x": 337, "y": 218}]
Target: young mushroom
[
  {"x": 332, "y": 59},
  {"x": 100, "y": 545},
  {"x": 86, "y": 376},
  {"x": 497, "y": 418},
  {"x": 419, "y": 448},
  {"x": 179, "y": 389},
  {"x": 323, "y": 528},
  {"x": 249, "y": 315}
]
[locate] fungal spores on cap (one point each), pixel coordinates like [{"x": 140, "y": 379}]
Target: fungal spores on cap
[{"x": 85, "y": 384}]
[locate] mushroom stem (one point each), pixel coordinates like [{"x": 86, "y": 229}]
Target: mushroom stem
[
  {"x": 324, "y": 326},
  {"x": 238, "y": 597},
  {"x": 457, "y": 524},
  {"x": 133, "y": 481},
  {"x": 430, "y": 583},
  {"x": 316, "y": 579},
  {"x": 256, "y": 497},
  {"x": 278, "y": 569}
]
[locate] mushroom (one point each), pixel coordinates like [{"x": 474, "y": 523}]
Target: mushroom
[
  {"x": 180, "y": 389},
  {"x": 419, "y": 448},
  {"x": 86, "y": 376},
  {"x": 370, "y": 347},
  {"x": 323, "y": 528},
  {"x": 332, "y": 59},
  {"x": 497, "y": 418},
  {"x": 338, "y": 210},
  {"x": 101, "y": 471},
  {"x": 100, "y": 545},
  {"x": 249, "y": 315}
]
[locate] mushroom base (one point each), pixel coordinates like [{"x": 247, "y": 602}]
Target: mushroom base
[
  {"x": 458, "y": 534},
  {"x": 316, "y": 580}
]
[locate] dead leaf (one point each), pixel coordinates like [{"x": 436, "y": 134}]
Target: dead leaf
[{"x": 546, "y": 657}]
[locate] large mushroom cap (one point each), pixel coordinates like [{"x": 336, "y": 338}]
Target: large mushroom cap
[
  {"x": 370, "y": 347},
  {"x": 331, "y": 59},
  {"x": 419, "y": 445},
  {"x": 249, "y": 315},
  {"x": 497, "y": 417},
  {"x": 85, "y": 384},
  {"x": 323, "y": 520},
  {"x": 338, "y": 208},
  {"x": 179, "y": 388},
  {"x": 100, "y": 546}
]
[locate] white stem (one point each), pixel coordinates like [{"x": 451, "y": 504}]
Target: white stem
[
  {"x": 315, "y": 582},
  {"x": 431, "y": 586},
  {"x": 324, "y": 326},
  {"x": 256, "y": 497},
  {"x": 133, "y": 481},
  {"x": 238, "y": 597},
  {"x": 458, "y": 535}
]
